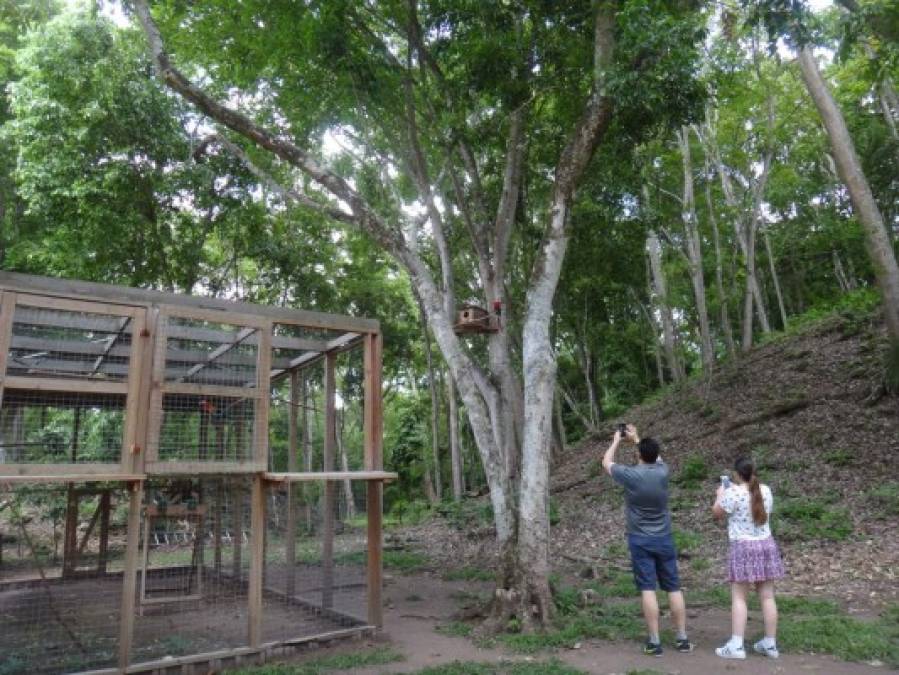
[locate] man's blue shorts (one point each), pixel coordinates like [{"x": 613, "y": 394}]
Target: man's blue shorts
[{"x": 654, "y": 561}]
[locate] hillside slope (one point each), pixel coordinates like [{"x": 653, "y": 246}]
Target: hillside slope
[{"x": 808, "y": 409}]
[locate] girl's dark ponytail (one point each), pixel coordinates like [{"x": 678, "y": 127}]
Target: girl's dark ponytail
[{"x": 746, "y": 470}]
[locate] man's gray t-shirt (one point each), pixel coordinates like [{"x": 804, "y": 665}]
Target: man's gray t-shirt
[{"x": 646, "y": 497}]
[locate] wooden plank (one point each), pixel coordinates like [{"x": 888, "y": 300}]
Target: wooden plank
[
  {"x": 330, "y": 491},
  {"x": 330, "y": 476},
  {"x": 110, "y": 293},
  {"x": 257, "y": 560},
  {"x": 105, "y": 508},
  {"x": 7, "y": 309},
  {"x": 50, "y": 470},
  {"x": 129, "y": 577},
  {"x": 73, "y": 385},
  {"x": 159, "y": 468},
  {"x": 219, "y": 352},
  {"x": 38, "y": 344},
  {"x": 133, "y": 413},
  {"x": 144, "y": 399},
  {"x": 80, "y": 370},
  {"x": 38, "y": 316},
  {"x": 287, "y": 342},
  {"x": 230, "y": 315},
  {"x": 155, "y": 413},
  {"x": 111, "y": 341},
  {"x": 70, "y": 477},
  {"x": 263, "y": 386},
  {"x": 338, "y": 345},
  {"x": 374, "y": 567},
  {"x": 77, "y": 306},
  {"x": 193, "y": 389}
]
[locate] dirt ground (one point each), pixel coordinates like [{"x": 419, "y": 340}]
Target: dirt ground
[{"x": 410, "y": 625}]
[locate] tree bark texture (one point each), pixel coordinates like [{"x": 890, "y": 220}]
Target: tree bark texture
[
  {"x": 660, "y": 290},
  {"x": 877, "y": 239}
]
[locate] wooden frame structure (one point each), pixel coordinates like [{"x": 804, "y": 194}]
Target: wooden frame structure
[{"x": 148, "y": 355}]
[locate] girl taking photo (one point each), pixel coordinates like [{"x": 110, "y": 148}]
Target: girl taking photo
[{"x": 753, "y": 560}]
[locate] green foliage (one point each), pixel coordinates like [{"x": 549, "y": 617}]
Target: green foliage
[
  {"x": 846, "y": 637},
  {"x": 693, "y": 473},
  {"x": 550, "y": 667},
  {"x": 840, "y": 458},
  {"x": 469, "y": 574},
  {"x": 467, "y": 514},
  {"x": 814, "y": 518},
  {"x": 885, "y": 497},
  {"x": 686, "y": 541},
  {"x": 338, "y": 662},
  {"x": 455, "y": 629}
]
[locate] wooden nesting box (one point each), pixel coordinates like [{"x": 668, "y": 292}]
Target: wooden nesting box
[{"x": 474, "y": 319}]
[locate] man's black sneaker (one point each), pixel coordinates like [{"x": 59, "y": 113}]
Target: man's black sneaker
[
  {"x": 684, "y": 646},
  {"x": 652, "y": 649}
]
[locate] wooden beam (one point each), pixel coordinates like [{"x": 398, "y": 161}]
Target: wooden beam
[
  {"x": 40, "y": 344},
  {"x": 257, "y": 561},
  {"x": 263, "y": 386},
  {"x": 194, "y": 389},
  {"x": 71, "y": 477},
  {"x": 133, "y": 413},
  {"x": 129, "y": 577},
  {"x": 7, "y": 310},
  {"x": 338, "y": 345},
  {"x": 111, "y": 340},
  {"x": 70, "y": 385},
  {"x": 372, "y": 439},
  {"x": 130, "y": 296},
  {"x": 329, "y": 476},
  {"x": 219, "y": 352},
  {"x": 210, "y": 467}
]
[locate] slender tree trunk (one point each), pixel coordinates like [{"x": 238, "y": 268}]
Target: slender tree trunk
[
  {"x": 427, "y": 484},
  {"x": 877, "y": 239},
  {"x": 694, "y": 253},
  {"x": 775, "y": 279},
  {"x": 660, "y": 289},
  {"x": 349, "y": 503},
  {"x": 724, "y": 314},
  {"x": 455, "y": 453}
]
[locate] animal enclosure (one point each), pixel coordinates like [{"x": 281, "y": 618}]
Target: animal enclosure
[{"x": 184, "y": 482}]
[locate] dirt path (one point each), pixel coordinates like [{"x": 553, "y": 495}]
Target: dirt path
[{"x": 417, "y": 604}]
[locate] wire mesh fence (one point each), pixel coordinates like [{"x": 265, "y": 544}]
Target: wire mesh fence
[
  {"x": 205, "y": 427},
  {"x": 61, "y": 561},
  {"x": 60, "y": 427},
  {"x": 315, "y": 561}
]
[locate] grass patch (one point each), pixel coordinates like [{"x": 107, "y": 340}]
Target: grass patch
[
  {"x": 401, "y": 561},
  {"x": 839, "y": 458},
  {"x": 693, "y": 473},
  {"x": 469, "y": 574},
  {"x": 813, "y": 518},
  {"x": 843, "y": 636},
  {"x": 455, "y": 629},
  {"x": 685, "y": 541},
  {"x": 328, "y": 664},
  {"x": 615, "y": 584},
  {"x": 619, "y": 621},
  {"x": 700, "y": 564},
  {"x": 886, "y": 498},
  {"x": 550, "y": 667}
]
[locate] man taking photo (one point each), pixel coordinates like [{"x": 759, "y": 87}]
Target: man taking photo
[{"x": 649, "y": 536}]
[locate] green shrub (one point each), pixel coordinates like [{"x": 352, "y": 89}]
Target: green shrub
[
  {"x": 685, "y": 541},
  {"x": 466, "y": 514},
  {"x": 886, "y": 498},
  {"x": 813, "y": 518},
  {"x": 839, "y": 458},
  {"x": 693, "y": 472}
]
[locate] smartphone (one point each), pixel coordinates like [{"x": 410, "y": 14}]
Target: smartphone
[
  {"x": 725, "y": 482},
  {"x": 622, "y": 428}
]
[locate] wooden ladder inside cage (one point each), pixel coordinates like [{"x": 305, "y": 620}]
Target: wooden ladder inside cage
[{"x": 187, "y": 586}]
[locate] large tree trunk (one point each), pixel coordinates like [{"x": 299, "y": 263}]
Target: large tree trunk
[
  {"x": 877, "y": 239},
  {"x": 660, "y": 290},
  {"x": 694, "y": 253}
]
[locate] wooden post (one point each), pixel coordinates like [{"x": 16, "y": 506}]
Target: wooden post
[
  {"x": 129, "y": 576},
  {"x": 70, "y": 538},
  {"x": 257, "y": 529},
  {"x": 7, "y": 313},
  {"x": 373, "y": 431},
  {"x": 219, "y": 499},
  {"x": 330, "y": 487},
  {"x": 290, "y": 539}
]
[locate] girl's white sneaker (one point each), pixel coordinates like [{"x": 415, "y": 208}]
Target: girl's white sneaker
[
  {"x": 770, "y": 652},
  {"x": 729, "y": 652}
]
